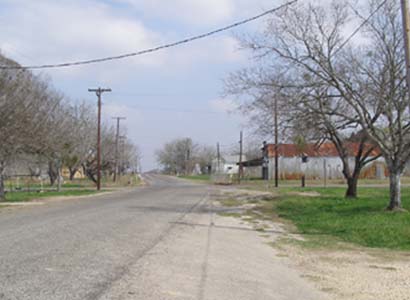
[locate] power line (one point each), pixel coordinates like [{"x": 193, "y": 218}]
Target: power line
[
  {"x": 357, "y": 30},
  {"x": 155, "y": 49}
]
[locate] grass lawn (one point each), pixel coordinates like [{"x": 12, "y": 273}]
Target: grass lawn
[
  {"x": 258, "y": 184},
  {"x": 27, "y": 184},
  {"x": 363, "y": 221},
  {"x": 28, "y": 196}
]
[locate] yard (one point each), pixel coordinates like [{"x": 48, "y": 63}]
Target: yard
[
  {"x": 325, "y": 218},
  {"x": 363, "y": 221},
  {"x": 27, "y": 189}
]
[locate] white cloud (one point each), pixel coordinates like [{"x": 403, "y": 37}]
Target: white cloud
[
  {"x": 223, "y": 105},
  {"x": 198, "y": 12},
  {"x": 53, "y": 31},
  {"x": 203, "y": 13},
  {"x": 216, "y": 50}
]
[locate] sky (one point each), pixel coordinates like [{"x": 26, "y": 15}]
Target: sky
[{"x": 166, "y": 95}]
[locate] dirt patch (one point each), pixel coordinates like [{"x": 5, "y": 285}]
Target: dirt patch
[{"x": 360, "y": 274}]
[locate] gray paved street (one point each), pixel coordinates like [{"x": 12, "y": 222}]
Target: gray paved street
[
  {"x": 76, "y": 249},
  {"x": 133, "y": 245}
]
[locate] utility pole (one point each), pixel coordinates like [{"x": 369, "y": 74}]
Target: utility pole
[
  {"x": 240, "y": 157},
  {"x": 121, "y": 152},
  {"x": 406, "y": 33},
  {"x": 99, "y": 93},
  {"x": 218, "y": 153},
  {"x": 276, "y": 143},
  {"x": 117, "y": 139},
  {"x": 187, "y": 165}
]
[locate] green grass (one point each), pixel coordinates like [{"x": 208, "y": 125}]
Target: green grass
[
  {"x": 263, "y": 185},
  {"x": 28, "y": 196},
  {"x": 363, "y": 221}
]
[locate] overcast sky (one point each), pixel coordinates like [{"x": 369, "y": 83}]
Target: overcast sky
[{"x": 169, "y": 94}]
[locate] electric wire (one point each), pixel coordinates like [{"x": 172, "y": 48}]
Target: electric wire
[
  {"x": 357, "y": 30},
  {"x": 155, "y": 49}
]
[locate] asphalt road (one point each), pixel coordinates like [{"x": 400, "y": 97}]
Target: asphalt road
[
  {"x": 78, "y": 249},
  {"x": 161, "y": 241}
]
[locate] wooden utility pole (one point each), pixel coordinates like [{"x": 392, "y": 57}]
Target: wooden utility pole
[
  {"x": 276, "y": 142},
  {"x": 240, "y": 157},
  {"x": 406, "y": 32},
  {"x": 218, "y": 153},
  {"x": 325, "y": 171},
  {"x": 117, "y": 139},
  {"x": 188, "y": 164},
  {"x": 121, "y": 152},
  {"x": 99, "y": 93}
]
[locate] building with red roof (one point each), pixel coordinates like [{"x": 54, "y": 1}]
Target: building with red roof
[{"x": 312, "y": 160}]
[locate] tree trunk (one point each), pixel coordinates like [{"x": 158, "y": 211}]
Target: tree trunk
[
  {"x": 52, "y": 173},
  {"x": 89, "y": 173},
  {"x": 59, "y": 180},
  {"x": 73, "y": 171},
  {"x": 2, "y": 191},
  {"x": 395, "y": 190},
  {"x": 351, "y": 191}
]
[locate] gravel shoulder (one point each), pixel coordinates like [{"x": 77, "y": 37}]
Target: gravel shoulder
[
  {"x": 362, "y": 274},
  {"x": 342, "y": 271}
]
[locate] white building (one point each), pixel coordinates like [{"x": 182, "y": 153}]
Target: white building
[
  {"x": 319, "y": 162},
  {"x": 228, "y": 164}
]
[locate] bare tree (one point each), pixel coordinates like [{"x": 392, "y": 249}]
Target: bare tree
[
  {"x": 359, "y": 86},
  {"x": 306, "y": 112},
  {"x": 18, "y": 109},
  {"x": 204, "y": 157},
  {"x": 176, "y": 156},
  {"x": 379, "y": 69},
  {"x": 315, "y": 110},
  {"x": 81, "y": 140},
  {"x": 130, "y": 157},
  {"x": 108, "y": 140}
]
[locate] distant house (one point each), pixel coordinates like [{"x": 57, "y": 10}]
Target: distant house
[
  {"x": 313, "y": 161},
  {"x": 228, "y": 164},
  {"x": 65, "y": 172}
]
